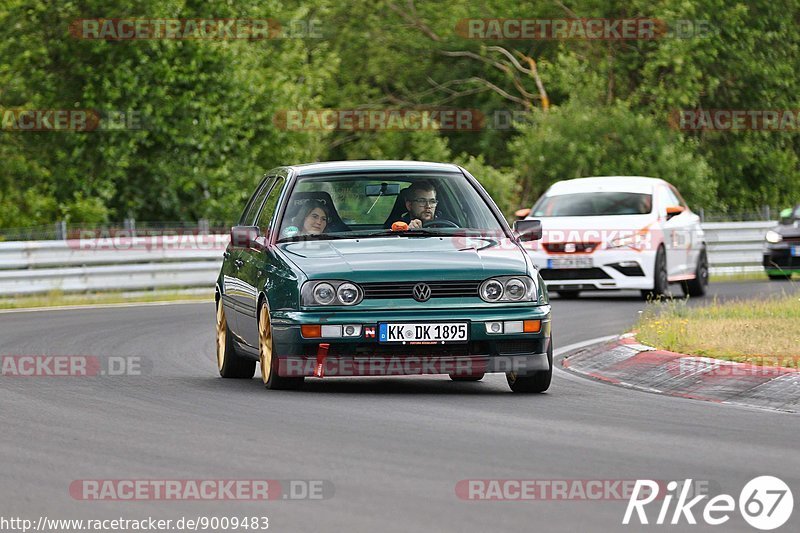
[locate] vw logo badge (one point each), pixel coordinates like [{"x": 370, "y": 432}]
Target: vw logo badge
[
  {"x": 422, "y": 292},
  {"x": 570, "y": 247}
]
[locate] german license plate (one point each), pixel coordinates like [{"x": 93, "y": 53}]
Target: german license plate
[
  {"x": 570, "y": 262},
  {"x": 423, "y": 332},
  {"x": 796, "y": 251}
]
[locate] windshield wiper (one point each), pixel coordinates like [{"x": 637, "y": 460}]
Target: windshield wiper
[{"x": 418, "y": 232}]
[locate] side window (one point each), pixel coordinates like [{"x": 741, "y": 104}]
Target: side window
[
  {"x": 268, "y": 211},
  {"x": 677, "y": 195},
  {"x": 672, "y": 198},
  {"x": 248, "y": 215}
]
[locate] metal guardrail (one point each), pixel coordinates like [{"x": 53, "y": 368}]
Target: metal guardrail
[
  {"x": 114, "y": 264},
  {"x": 191, "y": 261},
  {"x": 736, "y": 247}
]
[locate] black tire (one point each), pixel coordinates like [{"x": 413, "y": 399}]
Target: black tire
[
  {"x": 779, "y": 277},
  {"x": 229, "y": 363},
  {"x": 568, "y": 295},
  {"x": 476, "y": 377},
  {"x": 697, "y": 287},
  {"x": 268, "y": 363},
  {"x": 535, "y": 382},
  {"x": 660, "y": 281}
]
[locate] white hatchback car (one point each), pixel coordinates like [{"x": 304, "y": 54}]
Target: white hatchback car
[{"x": 618, "y": 232}]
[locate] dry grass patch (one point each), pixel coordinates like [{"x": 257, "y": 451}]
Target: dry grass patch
[{"x": 761, "y": 331}]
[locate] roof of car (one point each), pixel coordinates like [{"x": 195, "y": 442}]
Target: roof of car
[
  {"x": 328, "y": 167},
  {"x": 637, "y": 184}
]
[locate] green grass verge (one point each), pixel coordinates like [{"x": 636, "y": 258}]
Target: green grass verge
[
  {"x": 58, "y": 298},
  {"x": 743, "y": 276},
  {"x": 759, "y": 331}
]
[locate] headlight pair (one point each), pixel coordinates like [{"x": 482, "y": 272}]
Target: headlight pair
[
  {"x": 508, "y": 289},
  {"x": 331, "y": 293}
]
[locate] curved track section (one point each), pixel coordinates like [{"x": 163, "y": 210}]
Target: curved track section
[{"x": 393, "y": 448}]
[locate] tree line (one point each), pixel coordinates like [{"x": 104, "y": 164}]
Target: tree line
[{"x": 181, "y": 127}]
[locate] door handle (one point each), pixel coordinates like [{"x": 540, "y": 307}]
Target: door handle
[{"x": 239, "y": 263}]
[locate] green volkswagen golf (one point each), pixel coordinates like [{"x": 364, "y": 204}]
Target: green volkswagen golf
[{"x": 368, "y": 268}]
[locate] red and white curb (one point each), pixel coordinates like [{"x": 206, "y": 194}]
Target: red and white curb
[{"x": 623, "y": 361}]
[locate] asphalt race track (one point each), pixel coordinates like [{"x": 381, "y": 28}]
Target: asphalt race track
[{"x": 392, "y": 448}]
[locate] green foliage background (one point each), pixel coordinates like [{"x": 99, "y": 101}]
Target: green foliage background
[{"x": 208, "y": 106}]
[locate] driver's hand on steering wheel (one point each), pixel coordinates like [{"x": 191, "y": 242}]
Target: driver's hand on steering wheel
[{"x": 415, "y": 224}]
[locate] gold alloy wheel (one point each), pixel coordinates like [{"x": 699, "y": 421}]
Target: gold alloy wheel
[
  {"x": 265, "y": 343},
  {"x": 222, "y": 335}
]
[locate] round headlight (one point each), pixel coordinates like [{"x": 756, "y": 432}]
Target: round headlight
[
  {"x": 515, "y": 289},
  {"x": 492, "y": 290},
  {"x": 347, "y": 293},
  {"x": 324, "y": 293},
  {"x": 774, "y": 237}
]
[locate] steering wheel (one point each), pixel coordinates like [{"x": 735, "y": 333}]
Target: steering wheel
[{"x": 440, "y": 223}]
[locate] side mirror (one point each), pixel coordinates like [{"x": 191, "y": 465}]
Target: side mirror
[
  {"x": 244, "y": 236},
  {"x": 786, "y": 215},
  {"x": 674, "y": 210},
  {"x": 522, "y": 213},
  {"x": 528, "y": 230}
]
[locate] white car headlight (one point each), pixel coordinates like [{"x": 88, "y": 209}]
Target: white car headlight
[
  {"x": 773, "y": 237},
  {"x": 638, "y": 240}
]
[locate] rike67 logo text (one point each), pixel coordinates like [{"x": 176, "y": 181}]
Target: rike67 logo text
[{"x": 765, "y": 503}]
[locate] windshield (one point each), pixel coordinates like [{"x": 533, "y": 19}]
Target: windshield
[
  {"x": 335, "y": 207},
  {"x": 586, "y": 204}
]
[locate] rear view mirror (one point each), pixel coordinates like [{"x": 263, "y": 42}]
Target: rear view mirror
[
  {"x": 244, "y": 236},
  {"x": 382, "y": 189},
  {"x": 528, "y": 230}
]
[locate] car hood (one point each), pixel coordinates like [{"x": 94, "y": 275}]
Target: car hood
[
  {"x": 591, "y": 229},
  {"x": 407, "y": 258},
  {"x": 790, "y": 231}
]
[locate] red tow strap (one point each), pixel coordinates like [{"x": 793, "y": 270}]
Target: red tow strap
[{"x": 322, "y": 353}]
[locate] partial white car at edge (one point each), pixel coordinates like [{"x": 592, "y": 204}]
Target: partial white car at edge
[{"x": 620, "y": 232}]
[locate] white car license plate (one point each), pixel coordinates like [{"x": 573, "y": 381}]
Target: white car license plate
[
  {"x": 423, "y": 332},
  {"x": 796, "y": 251},
  {"x": 570, "y": 262}
]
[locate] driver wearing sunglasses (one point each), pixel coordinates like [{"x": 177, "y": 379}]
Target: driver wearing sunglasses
[{"x": 420, "y": 204}]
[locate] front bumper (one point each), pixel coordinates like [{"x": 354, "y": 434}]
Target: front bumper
[
  {"x": 363, "y": 356},
  {"x": 607, "y": 272},
  {"x": 779, "y": 258}
]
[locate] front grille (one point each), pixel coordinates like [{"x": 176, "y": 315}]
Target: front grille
[
  {"x": 407, "y": 350},
  {"x": 439, "y": 289},
  {"x": 573, "y": 273},
  {"x": 518, "y": 347},
  {"x": 560, "y": 247}
]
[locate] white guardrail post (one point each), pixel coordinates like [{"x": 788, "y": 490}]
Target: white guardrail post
[{"x": 190, "y": 261}]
